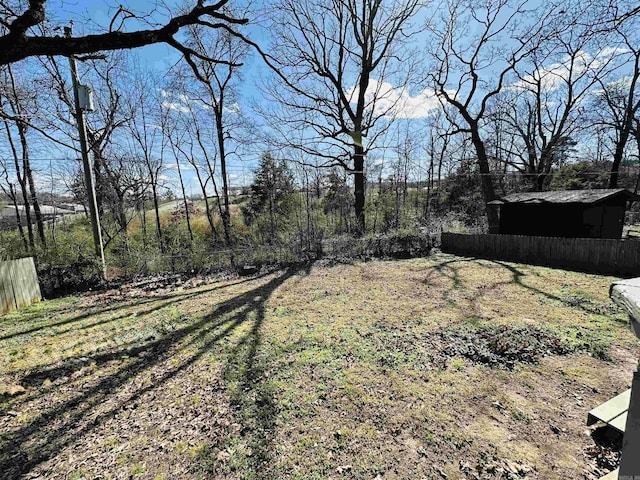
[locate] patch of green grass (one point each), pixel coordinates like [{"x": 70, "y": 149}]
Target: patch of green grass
[
  {"x": 428, "y": 437},
  {"x": 596, "y": 341},
  {"x": 137, "y": 470},
  {"x": 77, "y": 475},
  {"x": 457, "y": 364}
]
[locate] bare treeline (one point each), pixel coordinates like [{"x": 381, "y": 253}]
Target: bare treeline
[{"x": 385, "y": 114}]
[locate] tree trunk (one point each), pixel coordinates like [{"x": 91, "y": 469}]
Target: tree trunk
[
  {"x": 637, "y": 136},
  {"x": 617, "y": 159},
  {"x": 143, "y": 224},
  {"x": 99, "y": 172},
  {"x": 32, "y": 186},
  {"x": 27, "y": 207},
  {"x": 308, "y": 208},
  {"x": 272, "y": 216},
  {"x": 157, "y": 214},
  {"x": 397, "y": 191},
  {"x": 186, "y": 205},
  {"x": 226, "y": 214},
  {"x": 359, "y": 190},
  {"x": 427, "y": 203},
  {"x": 207, "y": 208},
  {"x": 23, "y": 187},
  {"x": 488, "y": 191},
  {"x": 14, "y": 200}
]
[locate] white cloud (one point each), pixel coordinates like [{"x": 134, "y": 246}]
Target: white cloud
[
  {"x": 187, "y": 166},
  {"x": 234, "y": 108},
  {"x": 183, "y": 166},
  {"x": 184, "y": 104},
  {"x": 609, "y": 52},
  {"x": 552, "y": 76},
  {"x": 184, "y": 98},
  {"x": 398, "y": 102},
  {"x": 175, "y": 106}
]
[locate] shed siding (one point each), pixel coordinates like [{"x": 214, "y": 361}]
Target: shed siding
[{"x": 569, "y": 220}]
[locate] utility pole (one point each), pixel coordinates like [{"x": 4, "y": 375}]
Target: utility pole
[{"x": 88, "y": 177}]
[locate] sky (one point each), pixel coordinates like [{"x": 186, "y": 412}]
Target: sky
[{"x": 94, "y": 16}]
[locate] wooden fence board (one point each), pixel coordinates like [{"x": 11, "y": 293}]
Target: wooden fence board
[
  {"x": 606, "y": 256},
  {"x": 30, "y": 270},
  {"x": 19, "y": 285},
  {"x": 7, "y": 300},
  {"x": 30, "y": 288},
  {"x": 18, "y": 282}
]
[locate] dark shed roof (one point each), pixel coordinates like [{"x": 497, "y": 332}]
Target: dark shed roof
[{"x": 567, "y": 196}]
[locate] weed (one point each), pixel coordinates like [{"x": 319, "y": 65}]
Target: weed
[
  {"x": 457, "y": 364},
  {"x": 137, "y": 470},
  {"x": 521, "y": 416},
  {"x": 428, "y": 437}
]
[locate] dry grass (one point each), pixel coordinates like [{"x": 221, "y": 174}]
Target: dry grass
[{"x": 317, "y": 372}]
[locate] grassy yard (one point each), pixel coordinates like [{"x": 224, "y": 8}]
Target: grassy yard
[{"x": 444, "y": 367}]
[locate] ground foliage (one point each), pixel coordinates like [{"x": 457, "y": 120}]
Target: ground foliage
[{"x": 501, "y": 346}]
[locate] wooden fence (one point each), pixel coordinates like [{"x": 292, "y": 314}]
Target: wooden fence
[
  {"x": 594, "y": 255},
  {"x": 18, "y": 284}
]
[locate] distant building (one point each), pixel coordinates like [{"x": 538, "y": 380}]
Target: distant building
[
  {"x": 235, "y": 191},
  {"x": 74, "y": 207},
  {"x": 49, "y": 213},
  {"x": 597, "y": 213}
]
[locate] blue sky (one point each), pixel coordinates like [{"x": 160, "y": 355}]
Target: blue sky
[{"x": 95, "y": 16}]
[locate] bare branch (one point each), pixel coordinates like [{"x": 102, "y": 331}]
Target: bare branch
[{"x": 17, "y": 45}]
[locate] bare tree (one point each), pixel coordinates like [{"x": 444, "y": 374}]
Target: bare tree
[
  {"x": 108, "y": 79},
  {"x": 169, "y": 135},
  {"x": 618, "y": 101},
  {"x": 145, "y": 128},
  {"x": 219, "y": 96},
  {"x": 13, "y": 104},
  {"x": 326, "y": 54},
  {"x": 9, "y": 189},
  {"x": 189, "y": 135},
  {"x": 547, "y": 110},
  {"x": 437, "y": 147},
  {"x": 128, "y": 181},
  {"x": 468, "y": 70}
]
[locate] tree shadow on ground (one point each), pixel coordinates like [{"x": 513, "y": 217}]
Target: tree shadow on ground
[
  {"x": 67, "y": 421},
  {"x": 451, "y": 270},
  {"x": 117, "y": 306}
]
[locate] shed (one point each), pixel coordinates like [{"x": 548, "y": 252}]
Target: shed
[{"x": 597, "y": 213}]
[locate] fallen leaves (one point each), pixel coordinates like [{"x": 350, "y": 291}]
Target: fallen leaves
[{"x": 11, "y": 390}]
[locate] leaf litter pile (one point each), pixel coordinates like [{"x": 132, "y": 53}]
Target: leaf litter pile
[
  {"x": 443, "y": 367},
  {"x": 499, "y": 346}
]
